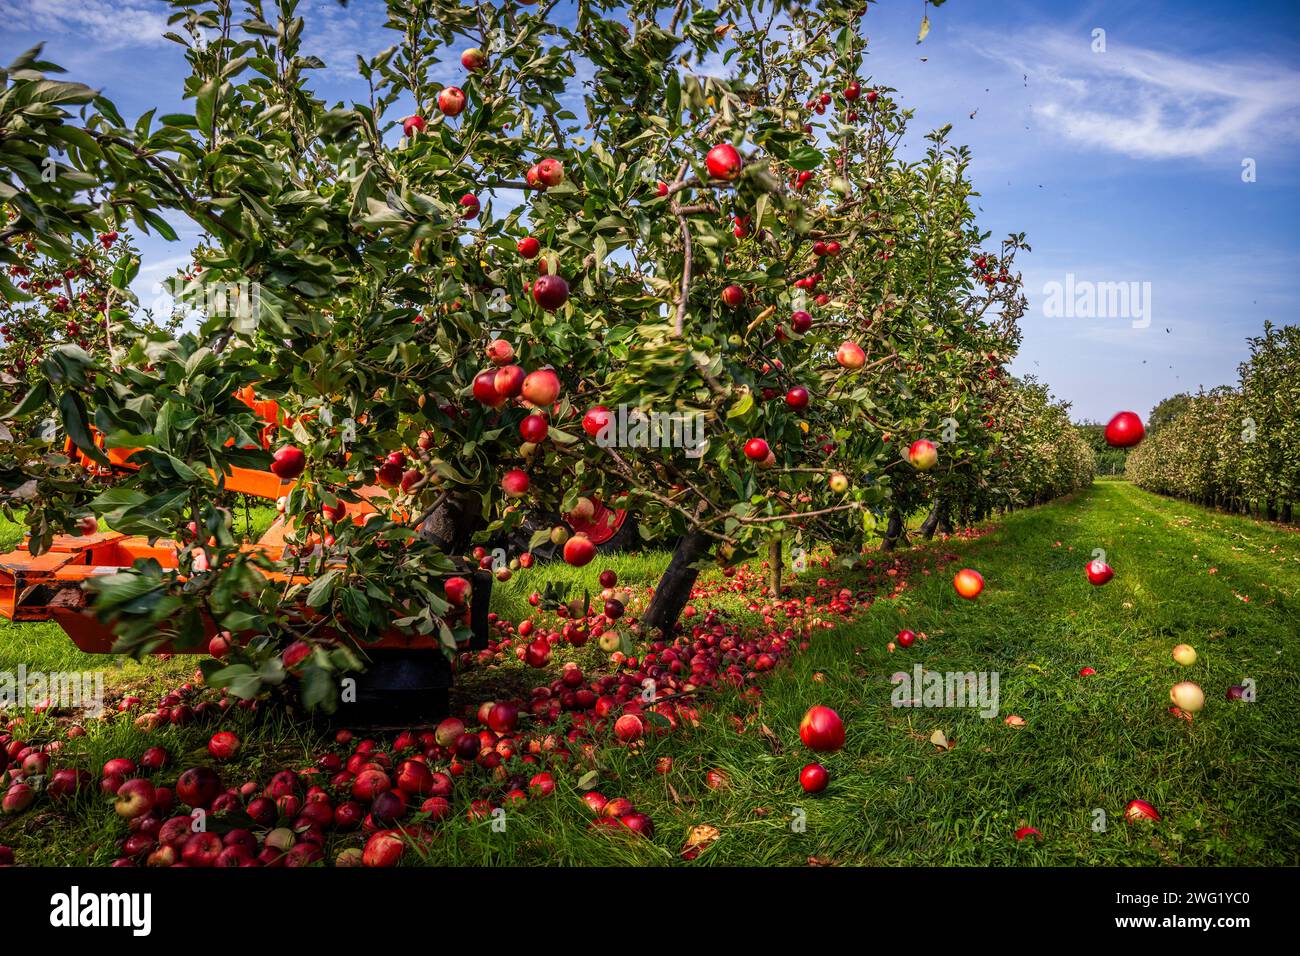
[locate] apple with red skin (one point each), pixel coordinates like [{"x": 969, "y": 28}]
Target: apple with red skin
[
  {"x": 629, "y": 728},
  {"x": 413, "y": 124},
  {"x": 923, "y": 454},
  {"x": 288, "y": 462},
  {"x": 542, "y": 387},
  {"x": 1139, "y": 810},
  {"x": 550, "y": 292},
  {"x": 968, "y": 583},
  {"x": 67, "y": 782},
  {"x": 223, "y": 745},
  {"x": 1124, "y": 430},
  {"x": 415, "y": 778},
  {"x": 88, "y": 525},
  {"x": 162, "y": 856},
  {"x": 814, "y": 778},
  {"x": 198, "y": 786},
  {"x": 733, "y": 296},
  {"x": 723, "y": 162},
  {"x": 533, "y": 428},
  {"x": 485, "y": 390},
  {"x": 468, "y": 746},
  {"x": 822, "y": 730},
  {"x": 579, "y": 551},
  {"x": 473, "y": 59},
  {"x": 528, "y": 247},
  {"x": 797, "y": 398},
  {"x": 202, "y": 849},
  {"x": 595, "y": 420},
  {"x": 756, "y": 449},
  {"x": 614, "y": 609},
  {"x": 451, "y": 100},
  {"x": 550, "y": 172},
  {"x": 801, "y": 322},
  {"x": 119, "y": 767},
  {"x": 134, "y": 798},
  {"x": 235, "y": 856},
  {"x": 905, "y": 638},
  {"x": 1099, "y": 572},
  {"x": 503, "y": 718},
  {"x": 369, "y": 784},
  {"x": 500, "y": 352},
  {"x": 295, "y": 654},
  {"x": 608, "y": 578},
  {"x": 383, "y": 849},
  {"x": 515, "y": 483},
  {"x": 469, "y": 206},
  {"x": 18, "y": 798},
  {"x": 457, "y": 591},
  {"x": 448, "y": 731},
  {"x": 850, "y": 355},
  {"x": 638, "y": 823}
]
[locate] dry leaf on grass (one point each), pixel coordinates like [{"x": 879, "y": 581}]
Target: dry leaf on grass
[
  {"x": 941, "y": 740},
  {"x": 699, "y": 839}
]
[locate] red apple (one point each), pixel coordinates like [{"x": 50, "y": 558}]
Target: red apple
[
  {"x": 500, "y": 352},
  {"x": 1139, "y": 810},
  {"x": 579, "y": 551},
  {"x": 515, "y": 483},
  {"x": 485, "y": 389},
  {"x": 628, "y": 728},
  {"x": 451, "y": 100},
  {"x": 528, "y": 247},
  {"x": 473, "y": 59},
  {"x": 905, "y": 638},
  {"x": 968, "y": 583},
  {"x": 198, "y": 786},
  {"x": 1124, "y": 430},
  {"x": 469, "y": 206},
  {"x": 223, "y": 745},
  {"x": 801, "y": 321},
  {"x": 923, "y": 454},
  {"x": 457, "y": 591},
  {"x": 550, "y": 292},
  {"x": 850, "y": 355},
  {"x": 509, "y": 380},
  {"x": 288, "y": 462},
  {"x": 383, "y": 849},
  {"x": 550, "y": 172},
  {"x": 1099, "y": 572},
  {"x": 412, "y": 124},
  {"x": 595, "y": 420},
  {"x": 756, "y": 449},
  {"x": 723, "y": 162},
  {"x": 822, "y": 730},
  {"x": 733, "y": 296},
  {"x": 533, "y": 428},
  {"x": 814, "y": 778},
  {"x": 797, "y": 397},
  {"x": 542, "y": 387},
  {"x": 134, "y": 798}
]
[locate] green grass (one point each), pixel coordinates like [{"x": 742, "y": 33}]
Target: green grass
[{"x": 1226, "y": 783}]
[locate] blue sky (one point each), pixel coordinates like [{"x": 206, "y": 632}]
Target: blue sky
[{"x": 1121, "y": 166}]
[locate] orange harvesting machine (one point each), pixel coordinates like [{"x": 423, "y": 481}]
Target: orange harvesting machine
[{"x": 49, "y": 586}]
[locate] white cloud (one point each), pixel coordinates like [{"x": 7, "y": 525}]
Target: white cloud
[
  {"x": 1150, "y": 104},
  {"x": 112, "y": 24}
]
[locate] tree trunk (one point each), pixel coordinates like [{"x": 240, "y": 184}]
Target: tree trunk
[
  {"x": 1270, "y": 510},
  {"x": 674, "y": 588},
  {"x": 1286, "y": 512},
  {"x": 774, "y": 566},
  {"x": 451, "y": 526},
  {"x": 936, "y": 517},
  {"x": 893, "y": 532}
]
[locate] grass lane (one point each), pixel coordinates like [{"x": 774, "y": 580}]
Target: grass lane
[{"x": 1226, "y": 783}]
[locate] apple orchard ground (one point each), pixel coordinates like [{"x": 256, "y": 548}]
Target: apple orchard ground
[{"x": 1225, "y": 783}]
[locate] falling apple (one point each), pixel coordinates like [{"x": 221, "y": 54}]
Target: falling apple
[
  {"x": 1124, "y": 430},
  {"x": 1099, "y": 572},
  {"x": 969, "y": 583}
]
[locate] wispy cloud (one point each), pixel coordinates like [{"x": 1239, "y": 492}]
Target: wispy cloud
[
  {"x": 1150, "y": 104},
  {"x": 112, "y": 24}
]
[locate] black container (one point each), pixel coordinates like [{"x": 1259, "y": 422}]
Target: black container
[{"x": 401, "y": 688}]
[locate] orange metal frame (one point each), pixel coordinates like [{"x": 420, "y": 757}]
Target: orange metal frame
[{"x": 49, "y": 586}]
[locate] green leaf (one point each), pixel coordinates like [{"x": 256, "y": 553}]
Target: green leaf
[{"x": 73, "y": 411}]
